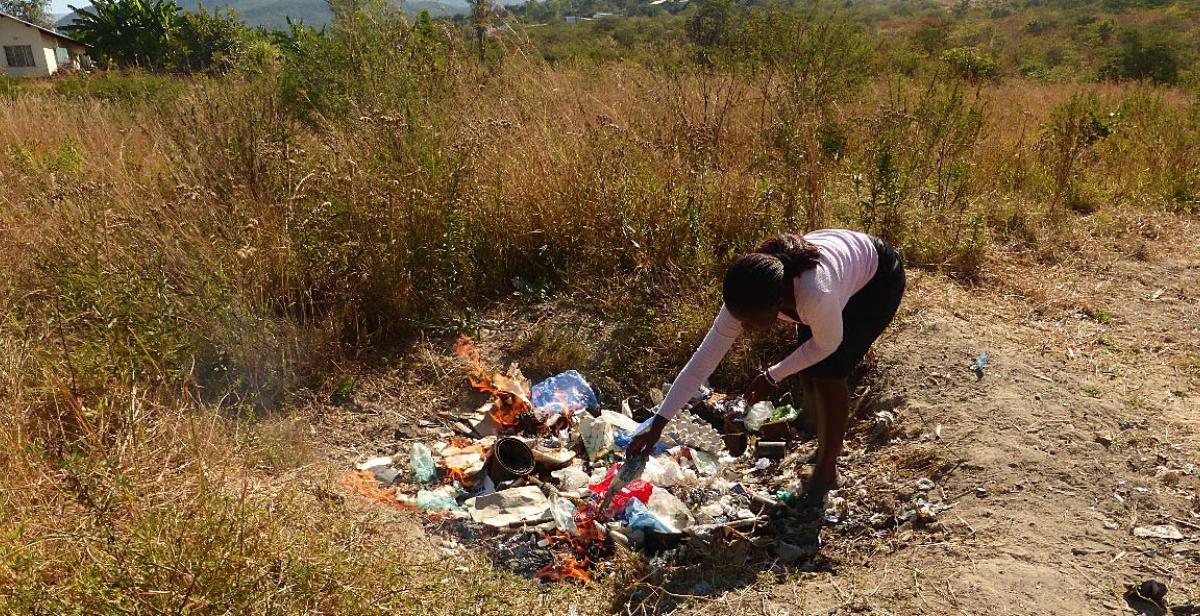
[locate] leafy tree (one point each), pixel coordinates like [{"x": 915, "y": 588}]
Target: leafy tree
[
  {"x": 130, "y": 32},
  {"x": 713, "y": 23},
  {"x": 1137, "y": 58},
  {"x": 972, "y": 64},
  {"x": 211, "y": 41},
  {"x": 32, "y": 11}
]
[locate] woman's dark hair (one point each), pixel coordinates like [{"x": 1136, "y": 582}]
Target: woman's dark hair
[{"x": 756, "y": 281}]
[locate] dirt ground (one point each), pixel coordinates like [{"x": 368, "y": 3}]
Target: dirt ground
[{"x": 1084, "y": 425}]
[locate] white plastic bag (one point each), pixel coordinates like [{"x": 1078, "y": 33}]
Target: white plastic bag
[{"x": 758, "y": 415}]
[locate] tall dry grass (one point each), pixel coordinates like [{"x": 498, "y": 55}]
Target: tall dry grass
[{"x": 174, "y": 263}]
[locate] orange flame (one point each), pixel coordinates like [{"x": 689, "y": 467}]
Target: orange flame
[
  {"x": 510, "y": 390},
  {"x": 456, "y": 474},
  {"x": 565, "y": 566},
  {"x": 364, "y": 483},
  {"x": 479, "y": 376}
]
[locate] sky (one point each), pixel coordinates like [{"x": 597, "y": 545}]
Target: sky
[{"x": 59, "y": 7}]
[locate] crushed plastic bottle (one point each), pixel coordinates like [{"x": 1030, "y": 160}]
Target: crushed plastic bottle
[
  {"x": 758, "y": 415},
  {"x": 563, "y": 512},
  {"x": 567, "y": 392},
  {"x": 423, "y": 467}
]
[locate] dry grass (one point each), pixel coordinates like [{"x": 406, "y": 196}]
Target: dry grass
[{"x": 174, "y": 266}]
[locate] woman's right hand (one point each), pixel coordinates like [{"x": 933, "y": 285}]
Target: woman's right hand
[{"x": 644, "y": 442}]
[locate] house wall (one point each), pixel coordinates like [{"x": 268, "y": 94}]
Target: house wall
[
  {"x": 43, "y": 45},
  {"x": 49, "y": 44},
  {"x": 13, "y": 32}
]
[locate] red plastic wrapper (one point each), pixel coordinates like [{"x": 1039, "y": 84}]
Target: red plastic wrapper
[
  {"x": 635, "y": 489},
  {"x": 600, "y": 488}
]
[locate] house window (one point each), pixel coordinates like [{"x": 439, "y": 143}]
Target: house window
[{"x": 19, "y": 56}]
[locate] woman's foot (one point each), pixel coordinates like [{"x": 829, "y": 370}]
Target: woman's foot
[{"x": 815, "y": 492}]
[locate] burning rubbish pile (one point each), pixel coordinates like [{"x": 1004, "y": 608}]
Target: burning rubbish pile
[{"x": 539, "y": 472}]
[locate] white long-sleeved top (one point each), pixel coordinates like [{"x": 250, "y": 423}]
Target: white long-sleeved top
[{"x": 847, "y": 261}]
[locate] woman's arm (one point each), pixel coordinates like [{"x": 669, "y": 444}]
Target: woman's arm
[
  {"x": 823, "y": 314},
  {"x": 720, "y": 338},
  {"x": 725, "y": 329}
]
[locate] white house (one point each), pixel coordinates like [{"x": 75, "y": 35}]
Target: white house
[{"x": 27, "y": 50}]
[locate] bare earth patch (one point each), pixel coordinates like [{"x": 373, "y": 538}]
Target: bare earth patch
[{"x": 1083, "y": 427}]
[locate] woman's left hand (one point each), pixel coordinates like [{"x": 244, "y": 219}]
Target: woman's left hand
[{"x": 760, "y": 389}]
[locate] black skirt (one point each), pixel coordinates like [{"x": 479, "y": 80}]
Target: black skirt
[{"x": 866, "y": 315}]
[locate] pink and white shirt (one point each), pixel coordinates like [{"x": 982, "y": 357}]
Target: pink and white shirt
[{"x": 846, "y": 263}]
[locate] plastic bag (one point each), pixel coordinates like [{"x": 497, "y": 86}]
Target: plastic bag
[
  {"x": 638, "y": 517},
  {"x": 621, "y": 492},
  {"x": 786, "y": 412},
  {"x": 670, "y": 510},
  {"x": 758, "y": 415},
  {"x": 597, "y": 435},
  {"x": 423, "y": 467},
  {"x": 441, "y": 499},
  {"x": 638, "y": 489},
  {"x": 664, "y": 472},
  {"x": 568, "y": 392},
  {"x": 705, "y": 462},
  {"x": 570, "y": 478},
  {"x": 661, "y": 512}
]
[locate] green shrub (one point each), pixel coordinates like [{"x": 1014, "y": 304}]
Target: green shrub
[
  {"x": 972, "y": 64},
  {"x": 1074, "y": 127},
  {"x": 10, "y": 87},
  {"x": 215, "y": 41},
  {"x": 1143, "y": 57},
  {"x": 117, "y": 86}
]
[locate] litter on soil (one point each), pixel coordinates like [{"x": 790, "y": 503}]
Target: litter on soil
[{"x": 540, "y": 479}]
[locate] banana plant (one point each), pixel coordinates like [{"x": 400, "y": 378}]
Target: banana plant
[{"x": 129, "y": 32}]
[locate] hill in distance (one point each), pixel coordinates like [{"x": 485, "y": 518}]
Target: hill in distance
[{"x": 273, "y": 14}]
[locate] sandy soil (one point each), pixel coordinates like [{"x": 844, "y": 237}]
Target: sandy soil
[{"x": 1085, "y": 425}]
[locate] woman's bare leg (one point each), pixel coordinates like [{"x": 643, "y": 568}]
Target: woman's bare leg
[
  {"x": 808, "y": 393},
  {"x": 832, "y": 402}
]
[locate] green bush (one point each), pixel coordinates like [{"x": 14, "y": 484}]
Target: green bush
[
  {"x": 214, "y": 41},
  {"x": 117, "y": 86},
  {"x": 1143, "y": 57},
  {"x": 972, "y": 64},
  {"x": 10, "y": 88}
]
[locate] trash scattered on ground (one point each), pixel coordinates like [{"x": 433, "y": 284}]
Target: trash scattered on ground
[
  {"x": 1151, "y": 591},
  {"x": 370, "y": 463},
  {"x": 1161, "y": 531},
  {"x": 538, "y": 476},
  {"x": 980, "y": 364},
  {"x": 522, "y": 505},
  {"x": 422, "y": 463}
]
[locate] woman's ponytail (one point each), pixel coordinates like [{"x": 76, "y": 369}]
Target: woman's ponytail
[
  {"x": 756, "y": 280},
  {"x": 795, "y": 253}
]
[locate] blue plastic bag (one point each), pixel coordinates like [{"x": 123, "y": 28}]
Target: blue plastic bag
[
  {"x": 568, "y": 391},
  {"x": 639, "y": 517},
  {"x": 623, "y": 438}
]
